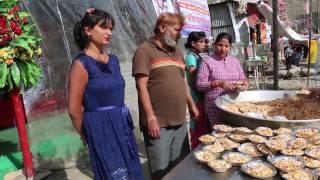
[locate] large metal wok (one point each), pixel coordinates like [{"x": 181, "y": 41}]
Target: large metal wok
[{"x": 253, "y": 122}]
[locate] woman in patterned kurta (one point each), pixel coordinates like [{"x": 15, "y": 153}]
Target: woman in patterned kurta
[{"x": 219, "y": 74}]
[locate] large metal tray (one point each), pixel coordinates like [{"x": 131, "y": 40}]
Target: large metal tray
[{"x": 251, "y": 122}]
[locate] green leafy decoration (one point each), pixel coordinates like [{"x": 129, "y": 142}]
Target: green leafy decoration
[
  {"x": 20, "y": 42},
  {"x": 15, "y": 73},
  {"x": 3, "y": 74},
  {"x": 3, "y": 10},
  {"x": 23, "y": 14},
  {"x": 18, "y": 67},
  {"x": 32, "y": 73},
  {"x": 29, "y": 28},
  {"x": 23, "y": 71},
  {"x": 9, "y": 82}
]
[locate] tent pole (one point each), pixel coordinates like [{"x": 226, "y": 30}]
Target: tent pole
[
  {"x": 310, "y": 35},
  {"x": 275, "y": 36}
]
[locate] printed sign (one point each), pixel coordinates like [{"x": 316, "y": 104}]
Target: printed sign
[{"x": 196, "y": 13}]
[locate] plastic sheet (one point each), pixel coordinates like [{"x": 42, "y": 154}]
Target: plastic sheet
[{"x": 54, "y": 143}]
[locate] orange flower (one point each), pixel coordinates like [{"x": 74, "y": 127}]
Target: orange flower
[{"x": 9, "y": 61}]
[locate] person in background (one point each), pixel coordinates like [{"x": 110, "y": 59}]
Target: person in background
[
  {"x": 195, "y": 45},
  {"x": 205, "y": 53},
  {"x": 159, "y": 71},
  {"x": 294, "y": 55},
  {"x": 271, "y": 43},
  {"x": 96, "y": 101},
  {"x": 219, "y": 74},
  {"x": 281, "y": 44},
  {"x": 254, "y": 37}
]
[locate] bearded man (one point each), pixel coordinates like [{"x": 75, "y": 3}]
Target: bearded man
[{"x": 159, "y": 71}]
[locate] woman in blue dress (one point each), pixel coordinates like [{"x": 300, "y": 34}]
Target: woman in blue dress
[{"x": 96, "y": 101}]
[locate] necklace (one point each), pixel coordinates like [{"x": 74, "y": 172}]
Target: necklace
[{"x": 100, "y": 58}]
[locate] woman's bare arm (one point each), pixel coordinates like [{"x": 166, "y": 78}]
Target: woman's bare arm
[{"x": 78, "y": 79}]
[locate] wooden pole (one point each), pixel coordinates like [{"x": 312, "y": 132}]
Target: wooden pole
[
  {"x": 20, "y": 119},
  {"x": 310, "y": 36},
  {"x": 275, "y": 36}
]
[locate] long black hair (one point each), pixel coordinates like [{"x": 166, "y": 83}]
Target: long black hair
[
  {"x": 194, "y": 36},
  {"x": 90, "y": 19},
  {"x": 223, "y": 35}
]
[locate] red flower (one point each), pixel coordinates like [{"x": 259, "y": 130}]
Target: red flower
[
  {"x": 13, "y": 25},
  {"x": 14, "y": 10},
  {"x": 3, "y": 26},
  {"x": 2, "y": 43},
  {"x": 25, "y": 21},
  {"x": 4, "y": 30},
  {"x": 17, "y": 30},
  {"x": 3, "y": 21},
  {"x": 7, "y": 38},
  {"x": 4, "y": 40},
  {"x": 11, "y": 12}
]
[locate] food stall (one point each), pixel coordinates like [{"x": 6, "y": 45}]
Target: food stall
[
  {"x": 267, "y": 135},
  {"x": 279, "y": 156},
  {"x": 191, "y": 168},
  {"x": 258, "y": 142}
]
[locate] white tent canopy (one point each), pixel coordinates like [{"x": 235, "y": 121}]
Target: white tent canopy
[{"x": 284, "y": 30}]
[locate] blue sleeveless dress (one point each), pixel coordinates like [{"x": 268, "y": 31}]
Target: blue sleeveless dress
[{"x": 107, "y": 124}]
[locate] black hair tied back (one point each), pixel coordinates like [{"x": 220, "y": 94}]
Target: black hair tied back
[
  {"x": 80, "y": 36},
  {"x": 223, "y": 35},
  {"x": 90, "y": 20},
  {"x": 194, "y": 36}
]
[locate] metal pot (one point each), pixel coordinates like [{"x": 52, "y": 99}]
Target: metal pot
[{"x": 251, "y": 122}]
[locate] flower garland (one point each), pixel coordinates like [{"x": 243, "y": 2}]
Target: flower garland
[{"x": 19, "y": 47}]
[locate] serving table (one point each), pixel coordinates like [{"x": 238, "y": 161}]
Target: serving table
[{"x": 190, "y": 169}]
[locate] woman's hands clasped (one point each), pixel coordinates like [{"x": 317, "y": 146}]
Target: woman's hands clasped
[
  {"x": 227, "y": 85},
  {"x": 231, "y": 85}
]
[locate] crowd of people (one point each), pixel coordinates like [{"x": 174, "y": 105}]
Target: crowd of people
[{"x": 167, "y": 85}]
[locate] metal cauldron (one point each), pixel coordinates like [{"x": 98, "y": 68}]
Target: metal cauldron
[{"x": 252, "y": 122}]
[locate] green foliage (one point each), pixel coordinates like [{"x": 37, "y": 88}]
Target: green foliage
[
  {"x": 4, "y": 72},
  {"x": 19, "y": 47}
]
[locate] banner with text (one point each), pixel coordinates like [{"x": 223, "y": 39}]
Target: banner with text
[{"x": 196, "y": 13}]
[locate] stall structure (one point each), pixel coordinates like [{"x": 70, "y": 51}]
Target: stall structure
[
  {"x": 257, "y": 142},
  {"x": 284, "y": 142},
  {"x": 53, "y": 142}
]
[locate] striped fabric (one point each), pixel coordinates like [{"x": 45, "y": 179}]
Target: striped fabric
[{"x": 161, "y": 62}]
